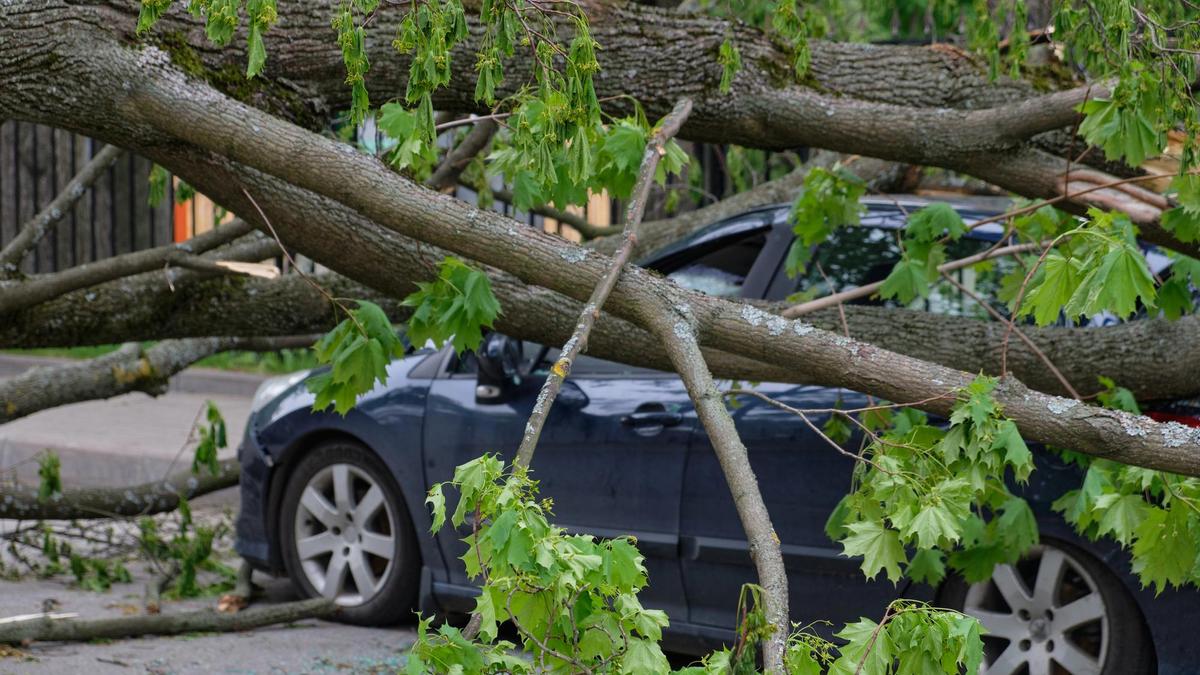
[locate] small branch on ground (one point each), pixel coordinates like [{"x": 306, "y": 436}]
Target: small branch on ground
[
  {"x": 21, "y": 501},
  {"x": 207, "y": 620}
]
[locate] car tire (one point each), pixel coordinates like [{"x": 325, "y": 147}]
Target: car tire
[
  {"x": 1043, "y": 630},
  {"x": 342, "y": 516}
]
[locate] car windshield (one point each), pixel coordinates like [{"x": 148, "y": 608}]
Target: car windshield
[{"x": 856, "y": 256}]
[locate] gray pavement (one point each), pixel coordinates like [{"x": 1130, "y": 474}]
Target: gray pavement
[{"x": 135, "y": 438}]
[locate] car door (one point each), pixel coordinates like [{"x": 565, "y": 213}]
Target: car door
[
  {"x": 801, "y": 478},
  {"x": 610, "y": 456}
]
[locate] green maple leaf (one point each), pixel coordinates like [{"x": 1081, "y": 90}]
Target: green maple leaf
[
  {"x": 932, "y": 221},
  {"x": 1057, "y": 280},
  {"x": 1016, "y": 452},
  {"x": 879, "y": 547},
  {"x": 1175, "y": 298},
  {"x": 1115, "y": 284},
  {"x": 927, "y": 566},
  {"x": 1183, "y": 223},
  {"x": 1120, "y": 515},
  {"x": 931, "y": 524},
  {"x": 1164, "y": 551},
  {"x": 908, "y": 280}
]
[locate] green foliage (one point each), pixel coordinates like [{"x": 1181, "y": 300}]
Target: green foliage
[
  {"x": 159, "y": 179},
  {"x": 829, "y": 200},
  {"x": 49, "y": 478},
  {"x": 186, "y": 553},
  {"x": 211, "y": 440},
  {"x": 454, "y": 308},
  {"x": 351, "y": 38},
  {"x": 795, "y": 31},
  {"x": 358, "y": 352},
  {"x": 573, "y": 601},
  {"x": 924, "y": 234},
  {"x": 1154, "y": 514},
  {"x": 221, "y": 20},
  {"x": 568, "y": 595},
  {"x": 731, "y": 62},
  {"x": 414, "y": 148},
  {"x": 1102, "y": 270},
  {"x": 96, "y": 574},
  {"x": 932, "y": 490}
]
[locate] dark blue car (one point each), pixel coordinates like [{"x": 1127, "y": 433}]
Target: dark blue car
[{"x": 336, "y": 503}]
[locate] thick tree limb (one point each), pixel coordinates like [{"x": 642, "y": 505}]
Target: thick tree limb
[
  {"x": 20, "y": 502},
  {"x": 130, "y": 368},
  {"x": 878, "y": 174},
  {"x": 33, "y": 290},
  {"x": 248, "y": 136},
  {"x": 455, "y": 161},
  {"x": 205, "y": 620},
  {"x": 32, "y": 232}
]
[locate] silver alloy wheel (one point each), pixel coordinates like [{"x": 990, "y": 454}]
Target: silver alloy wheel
[
  {"x": 345, "y": 534},
  {"x": 1044, "y": 616}
]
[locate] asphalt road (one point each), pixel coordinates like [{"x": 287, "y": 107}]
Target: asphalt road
[
  {"x": 304, "y": 647},
  {"x": 130, "y": 439}
]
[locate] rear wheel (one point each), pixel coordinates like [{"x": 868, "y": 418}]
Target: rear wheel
[
  {"x": 346, "y": 534},
  {"x": 1058, "y": 611}
]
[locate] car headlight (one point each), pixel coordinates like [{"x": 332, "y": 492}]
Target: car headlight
[{"x": 271, "y": 388}]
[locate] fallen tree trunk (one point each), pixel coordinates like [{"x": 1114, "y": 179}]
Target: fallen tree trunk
[
  {"x": 205, "y": 620},
  {"x": 21, "y": 502}
]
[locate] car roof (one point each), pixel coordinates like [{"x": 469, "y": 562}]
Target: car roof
[{"x": 887, "y": 211}]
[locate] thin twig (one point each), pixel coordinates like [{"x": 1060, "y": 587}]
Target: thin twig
[
  {"x": 655, "y": 149},
  {"x": 1020, "y": 333}
]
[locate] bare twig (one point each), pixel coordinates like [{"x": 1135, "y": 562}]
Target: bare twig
[
  {"x": 1020, "y": 334},
  {"x": 37, "y": 227},
  {"x": 870, "y": 289},
  {"x": 655, "y": 149}
]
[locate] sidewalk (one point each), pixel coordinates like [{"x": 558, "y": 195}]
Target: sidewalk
[{"x": 128, "y": 439}]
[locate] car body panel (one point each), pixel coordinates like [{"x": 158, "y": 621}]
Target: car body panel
[{"x": 666, "y": 488}]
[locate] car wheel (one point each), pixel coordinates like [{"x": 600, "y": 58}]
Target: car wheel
[
  {"x": 1058, "y": 611},
  {"x": 346, "y": 534}
]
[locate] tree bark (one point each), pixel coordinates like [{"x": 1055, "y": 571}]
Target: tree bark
[
  {"x": 205, "y": 620},
  {"x": 130, "y": 368},
  {"x": 245, "y": 135},
  {"x": 20, "y": 502},
  {"x": 879, "y": 175},
  {"x": 188, "y": 116}
]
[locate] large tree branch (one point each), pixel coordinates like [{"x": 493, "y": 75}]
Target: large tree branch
[
  {"x": 878, "y": 174},
  {"x": 198, "y": 621},
  {"x": 939, "y": 107},
  {"x": 673, "y": 326},
  {"x": 129, "y": 368},
  {"x": 31, "y": 291},
  {"x": 176, "y": 106},
  {"x": 21, "y": 502}
]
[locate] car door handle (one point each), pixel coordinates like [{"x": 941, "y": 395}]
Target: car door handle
[{"x": 652, "y": 419}]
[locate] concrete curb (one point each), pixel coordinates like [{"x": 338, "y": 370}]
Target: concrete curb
[{"x": 209, "y": 381}]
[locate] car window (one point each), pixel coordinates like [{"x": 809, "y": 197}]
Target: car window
[
  {"x": 584, "y": 365},
  {"x": 722, "y": 272},
  {"x": 857, "y": 256}
]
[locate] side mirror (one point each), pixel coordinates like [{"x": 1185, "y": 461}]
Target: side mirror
[{"x": 499, "y": 368}]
